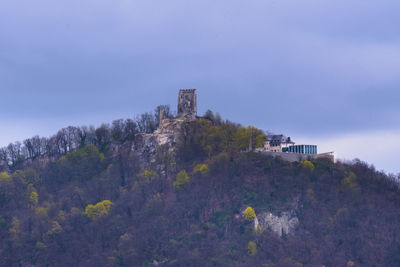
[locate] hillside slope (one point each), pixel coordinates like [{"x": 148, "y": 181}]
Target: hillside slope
[{"x": 100, "y": 204}]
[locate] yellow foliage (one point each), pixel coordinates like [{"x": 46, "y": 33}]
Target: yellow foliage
[
  {"x": 306, "y": 164},
  {"x": 4, "y": 176},
  {"x": 181, "y": 178},
  {"x": 227, "y": 137},
  {"x": 99, "y": 210},
  {"x": 201, "y": 168},
  {"x": 252, "y": 248},
  {"x": 249, "y": 214},
  {"x": 246, "y": 136}
]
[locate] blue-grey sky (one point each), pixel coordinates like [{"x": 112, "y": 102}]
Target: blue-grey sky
[{"x": 320, "y": 71}]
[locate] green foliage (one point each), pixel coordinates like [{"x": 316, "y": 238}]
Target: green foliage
[
  {"x": 249, "y": 214},
  {"x": 248, "y": 137},
  {"x": 101, "y": 209},
  {"x": 33, "y": 196},
  {"x": 201, "y": 168},
  {"x": 306, "y": 164},
  {"x": 181, "y": 179},
  {"x": 81, "y": 165},
  {"x": 208, "y": 139},
  {"x": 29, "y": 176},
  {"x": 252, "y": 248}
]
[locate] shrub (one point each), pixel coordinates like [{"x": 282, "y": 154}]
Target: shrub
[
  {"x": 249, "y": 214},
  {"x": 181, "y": 178},
  {"x": 306, "y": 164},
  {"x": 201, "y": 168},
  {"x": 80, "y": 165},
  {"x": 4, "y": 176}
]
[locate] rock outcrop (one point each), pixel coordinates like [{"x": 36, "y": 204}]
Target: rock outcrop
[
  {"x": 165, "y": 137},
  {"x": 281, "y": 225}
]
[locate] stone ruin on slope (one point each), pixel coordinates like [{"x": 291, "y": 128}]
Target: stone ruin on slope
[{"x": 168, "y": 132}]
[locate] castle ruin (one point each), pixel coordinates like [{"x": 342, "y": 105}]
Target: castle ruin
[{"x": 187, "y": 104}]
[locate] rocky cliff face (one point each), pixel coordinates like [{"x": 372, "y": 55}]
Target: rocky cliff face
[
  {"x": 164, "y": 139},
  {"x": 281, "y": 225}
]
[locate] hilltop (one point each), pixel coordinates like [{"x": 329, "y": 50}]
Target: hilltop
[{"x": 185, "y": 190}]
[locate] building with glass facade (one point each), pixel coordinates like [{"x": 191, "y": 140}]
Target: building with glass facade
[{"x": 301, "y": 149}]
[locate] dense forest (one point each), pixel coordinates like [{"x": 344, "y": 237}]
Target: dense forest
[{"x": 83, "y": 197}]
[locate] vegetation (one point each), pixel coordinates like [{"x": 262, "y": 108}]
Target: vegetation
[
  {"x": 84, "y": 198},
  {"x": 249, "y": 214},
  {"x": 308, "y": 165},
  {"x": 99, "y": 210},
  {"x": 201, "y": 168},
  {"x": 205, "y": 139},
  {"x": 252, "y": 248},
  {"x": 181, "y": 178}
]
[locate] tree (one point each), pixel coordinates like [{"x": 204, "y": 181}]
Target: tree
[
  {"x": 249, "y": 138},
  {"x": 117, "y": 131},
  {"x": 33, "y": 198},
  {"x": 306, "y": 164},
  {"x": 103, "y": 137},
  {"x": 99, "y": 210},
  {"x": 181, "y": 179},
  {"x": 249, "y": 214},
  {"x": 80, "y": 165},
  {"x": 146, "y": 123},
  {"x": 350, "y": 181},
  {"x": 252, "y": 248},
  {"x": 130, "y": 130},
  {"x": 15, "y": 229},
  {"x": 201, "y": 168}
]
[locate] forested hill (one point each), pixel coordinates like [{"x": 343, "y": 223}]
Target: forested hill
[{"x": 85, "y": 197}]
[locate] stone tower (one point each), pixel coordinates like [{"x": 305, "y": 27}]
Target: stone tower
[{"x": 187, "y": 104}]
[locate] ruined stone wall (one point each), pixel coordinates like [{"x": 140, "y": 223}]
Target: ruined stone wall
[{"x": 187, "y": 104}]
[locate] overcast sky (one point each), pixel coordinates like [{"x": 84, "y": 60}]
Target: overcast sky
[{"x": 321, "y": 71}]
